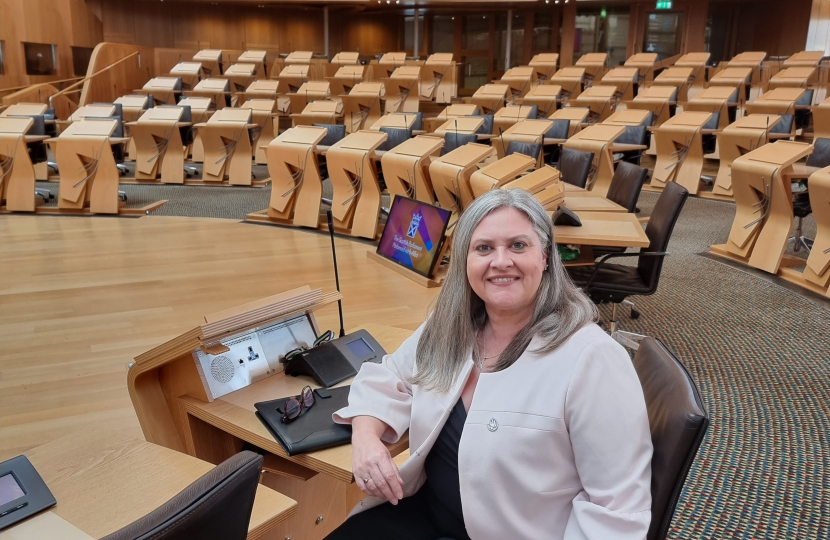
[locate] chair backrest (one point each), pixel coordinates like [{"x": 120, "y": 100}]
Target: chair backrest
[
  {"x": 678, "y": 422},
  {"x": 534, "y": 112},
  {"x": 648, "y": 120},
  {"x": 217, "y": 506},
  {"x": 455, "y": 140},
  {"x": 785, "y": 126},
  {"x": 418, "y": 124},
  {"x": 659, "y": 229},
  {"x": 394, "y": 137},
  {"x": 821, "y": 153},
  {"x": 336, "y": 133},
  {"x": 633, "y": 135},
  {"x": 487, "y": 127},
  {"x": 733, "y": 98},
  {"x": 626, "y": 185},
  {"x": 575, "y": 166},
  {"x": 713, "y": 121},
  {"x": 559, "y": 130},
  {"x": 806, "y": 98},
  {"x": 529, "y": 149}
]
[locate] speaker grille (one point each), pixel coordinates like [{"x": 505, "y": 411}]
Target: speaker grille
[{"x": 222, "y": 369}]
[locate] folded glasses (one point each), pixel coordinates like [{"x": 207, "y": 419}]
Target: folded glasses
[{"x": 294, "y": 406}]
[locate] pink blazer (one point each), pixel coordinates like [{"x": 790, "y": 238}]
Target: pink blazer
[{"x": 555, "y": 446}]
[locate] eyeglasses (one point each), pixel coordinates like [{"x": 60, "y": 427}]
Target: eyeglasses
[{"x": 294, "y": 406}]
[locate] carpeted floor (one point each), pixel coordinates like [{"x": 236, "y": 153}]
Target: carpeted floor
[{"x": 759, "y": 352}]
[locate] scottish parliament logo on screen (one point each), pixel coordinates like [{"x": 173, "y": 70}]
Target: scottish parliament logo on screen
[{"x": 413, "y": 233}]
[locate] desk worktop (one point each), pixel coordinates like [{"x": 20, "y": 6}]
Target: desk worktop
[
  {"x": 234, "y": 413},
  {"x": 104, "y": 481},
  {"x": 603, "y": 229}
]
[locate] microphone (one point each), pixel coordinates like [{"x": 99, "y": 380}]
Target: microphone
[{"x": 336, "y": 276}]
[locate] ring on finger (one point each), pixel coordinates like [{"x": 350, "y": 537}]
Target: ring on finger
[{"x": 366, "y": 480}]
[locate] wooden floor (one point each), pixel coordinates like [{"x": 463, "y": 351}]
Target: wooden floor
[{"x": 81, "y": 297}]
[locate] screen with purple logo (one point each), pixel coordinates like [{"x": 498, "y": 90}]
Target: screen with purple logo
[{"x": 414, "y": 234}]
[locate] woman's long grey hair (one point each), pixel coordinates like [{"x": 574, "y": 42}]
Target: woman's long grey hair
[{"x": 451, "y": 331}]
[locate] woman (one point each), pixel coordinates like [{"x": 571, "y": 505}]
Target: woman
[{"x": 525, "y": 419}]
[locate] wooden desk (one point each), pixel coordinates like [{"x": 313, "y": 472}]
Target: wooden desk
[
  {"x": 406, "y": 168},
  {"x": 763, "y": 205},
  {"x": 345, "y": 78},
  {"x": 215, "y": 89},
  {"x": 732, "y": 77},
  {"x": 520, "y": 80},
  {"x": 601, "y": 100},
  {"x": 508, "y": 116},
  {"x": 439, "y": 78},
  {"x": 321, "y": 482},
  {"x": 793, "y": 77},
  {"x": 211, "y": 60},
  {"x": 456, "y": 110},
  {"x": 570, "y": 79},
  {"x": 188, "y": 72},
  {"x": 676, "y": 77},
  {"x": 660, "y": 100},
  {"x": 603, "y": 229},
  {"x": 362, "y": 106},
  {"x": 490, "y": 97},
  {"x": 598, "y": 139},
  {"x": 104, "y": 481},
  {"x": 644, "y": 62},
  {"x": 545, "y": 64},
  {"x": 575, "y": 115},
  {"x": 546, "y": 98},
  {"x": 17, "y": 173},
  {"x": 821, "y": 120},
  {"x": 679, "y": 146},
  {"x": 589, "y": 202},
  {"x": 716, "y": 99},
  {"x": 625, "y": 79},
  {"x": 739, "y": 138},
  {"x": 24, "y": 109},
  {"x": 594, "y": 64},
  {"x": 402, "y": 90},
  {"x": 696, "y": 61}
]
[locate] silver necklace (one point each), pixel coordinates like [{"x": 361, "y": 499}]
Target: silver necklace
[{"x": 480, "y": 362}]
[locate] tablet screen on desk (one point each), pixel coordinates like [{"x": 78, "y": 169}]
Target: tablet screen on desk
[
  {"x": 9, "y": 489},
  {"x": 413, "y": 234}
]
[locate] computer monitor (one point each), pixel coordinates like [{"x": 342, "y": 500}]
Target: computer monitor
[{"x": 413, "y": 234}]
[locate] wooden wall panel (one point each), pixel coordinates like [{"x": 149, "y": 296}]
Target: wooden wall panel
[
  {"x": 63, "y": 23},
  {"x": 301, "y": 30},
  {"x": 154, "y": 24},
  {"x": 119, "y": 22},
  {"x": 566, "y": 56},
  {"x": 370, "y": 34},
  {"x": 781, "y": 27},
  {"x": 262, "y": 33},
  {"x": 227, "y": 26}
]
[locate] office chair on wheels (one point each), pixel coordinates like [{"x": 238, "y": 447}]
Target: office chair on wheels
[
  {"x": 625, "y": 188},
  {"x": 801, "y": 200},
  {"x": 614, "y": 283},
  {"x": 217, "y": 506}
]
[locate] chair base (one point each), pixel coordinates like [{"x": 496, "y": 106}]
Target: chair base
[
  {"x": 798, "y": 240},
  {"x": 626, "y": 339}
]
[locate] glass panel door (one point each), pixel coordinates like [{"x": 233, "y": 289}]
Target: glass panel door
[{"x": 663, "y": 34}]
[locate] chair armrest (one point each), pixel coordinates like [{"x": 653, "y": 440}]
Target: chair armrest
[{"x": 619, "y": 256}]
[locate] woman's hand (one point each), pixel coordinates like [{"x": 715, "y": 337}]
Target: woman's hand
[{"x": 374, "y": 471}]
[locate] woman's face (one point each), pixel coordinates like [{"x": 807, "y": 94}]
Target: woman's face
[{"x": 505, "y": 261}]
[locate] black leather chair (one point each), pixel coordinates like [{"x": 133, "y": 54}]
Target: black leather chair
[
  {"x": 456, "y": 140},
  {"x": 37, "y": 150},
  {"x": 335, "y": 133},
  {"x": 559, "y": 130},
  {"x": 801, "y": 201},
  {"x": 709, "y": 140},
  {"x": 678, "y": 422},
  {"x": 633, "y": 135},
  {"x": 784, "y": 127},
  {"x": 614, "y": 283},
  {"x": 624, "y": 190},
  {"x": 529, "y": 149},
  {"x": 418, "y": 124},
  {"x": 217, "y": 506},
  {"x": 802, "y": 116},
  {"x": 575, "y": 166},
  {"x": 394, "y": 137},
  {"x": 487, "y": 127}
]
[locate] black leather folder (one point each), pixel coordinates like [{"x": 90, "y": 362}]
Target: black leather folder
[{"x": 314, "y": 429}]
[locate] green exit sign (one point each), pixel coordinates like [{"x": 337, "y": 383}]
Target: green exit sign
[{"x": 664, "y": 5}]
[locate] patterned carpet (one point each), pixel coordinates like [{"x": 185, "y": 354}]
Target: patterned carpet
[{"x": 760, "y": 354}]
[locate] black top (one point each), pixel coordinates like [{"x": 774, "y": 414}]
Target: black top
[{"x": 441, "y": 466}]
